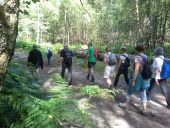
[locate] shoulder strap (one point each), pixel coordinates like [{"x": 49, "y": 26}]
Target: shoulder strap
[
  {"x": 142, "y": 57},
  {"x": 161, "y": 58},
  {"x": 125, "y": 56}
]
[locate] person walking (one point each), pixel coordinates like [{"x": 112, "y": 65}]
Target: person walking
[
  {"x": 66, "y": 58},
  {"x": 91, "y": 62},
  {"x": 35, "y": 58},
  {"x": 156, "y": 78},
  {"x": 138, "y": 83},
  {"x": 123, "y": 64},
  {"x": 110, "y": 62},
  {"x": 49, "y": 55}
]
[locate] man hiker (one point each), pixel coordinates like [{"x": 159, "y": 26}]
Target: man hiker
[
  {"x": 122, "y": 68},
  {"x": 66, "y": 58},
  {"x": 35, "y": 58},
  {"x": 156, "y": 76},
  {"x": 49, "y": 55},
  {"x": 91, "y": 62},
  {"x": 110, "y": 62}
]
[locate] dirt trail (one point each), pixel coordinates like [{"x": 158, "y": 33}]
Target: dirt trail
[{"x": 106, "y": 112}]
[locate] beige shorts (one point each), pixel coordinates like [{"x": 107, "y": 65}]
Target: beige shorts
[{"x": 108, "y": 72}]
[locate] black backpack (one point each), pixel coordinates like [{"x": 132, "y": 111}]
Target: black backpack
[
  {"x": 146, "y": 72},
  {"x": 126, "y": 62},
  {"x": 49, "y": 54},
  {"x": 68, "y": 57}
]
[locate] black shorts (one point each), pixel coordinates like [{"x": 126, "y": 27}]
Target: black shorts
[{"x": 91, "y": 64}]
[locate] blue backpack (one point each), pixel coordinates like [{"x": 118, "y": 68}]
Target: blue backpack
[{"x": 165, "y": 72}]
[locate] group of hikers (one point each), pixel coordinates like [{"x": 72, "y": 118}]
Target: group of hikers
[{"x": 142, "y": 79}]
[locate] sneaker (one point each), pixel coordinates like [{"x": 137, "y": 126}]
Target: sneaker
[
  {"x": 92, "y": 80},
  {"x": 143, "y": 112},
  {"x": 122, "y": 105},
  {"x": 70, "y": 83},
  {"x": 110, "y": 87},
  {"x": 88, "y": 77}
]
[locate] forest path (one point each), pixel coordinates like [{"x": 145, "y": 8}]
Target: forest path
[{"x": 105, "y": 112}]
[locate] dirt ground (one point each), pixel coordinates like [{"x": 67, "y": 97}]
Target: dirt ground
[{"x": 106, "y": 113}]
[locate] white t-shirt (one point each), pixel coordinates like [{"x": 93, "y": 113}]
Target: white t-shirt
[
  {"x": 122, "y": 57},
  {"x": 157, "y": 63}
]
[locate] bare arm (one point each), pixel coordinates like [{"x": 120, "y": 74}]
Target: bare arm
[{"x": 136, "y": 70}]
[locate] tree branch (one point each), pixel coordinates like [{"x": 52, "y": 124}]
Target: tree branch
[{"x": 85, "y": 8}]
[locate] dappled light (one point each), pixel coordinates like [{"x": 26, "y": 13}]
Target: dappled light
[{"x": 84, "y": 63}]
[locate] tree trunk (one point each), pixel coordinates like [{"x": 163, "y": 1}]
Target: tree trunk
[
  {"x": 164, "y": 27},
  {"x": 9, "y": 10}
]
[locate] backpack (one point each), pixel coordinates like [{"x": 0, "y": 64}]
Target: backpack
[
  {"x": 111, "y": 59},
  {"x": 165, "y": 71},
  {"x": 146, "y": 72},
  {"x": 95, "y": 52},
  {"x": 126, "y": 62},
  {"x": 49, "y": 54},
  {"x": 68, "y": 58}
]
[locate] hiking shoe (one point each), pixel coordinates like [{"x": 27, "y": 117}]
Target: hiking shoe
[
  {"x": 70, "y": 83},
  {"x": 168, "y": 106},
  {"x": 122, "y": 105},
  {"x": 110, "y": 87},
  {"x": 88, "y": 77},
  {"x": 92, "y": 80}
]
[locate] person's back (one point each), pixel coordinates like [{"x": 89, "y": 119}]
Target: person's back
[
  {"x": 91, "y": 56},
  {"x": 91, "y": 62},
  {"x": 66, "y": 58},
  {"x": 110, "y": 62},
  {"x": 122, "y": 67},
  {"x": 67, "y": 55},
  {"x": 49, "y": 55},
  {"x": 35, "y": 57}
]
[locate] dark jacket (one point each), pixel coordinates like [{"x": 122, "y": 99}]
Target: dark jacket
[
  {"x": 65, "y": 53},
  {"x": 35, "y": 57}
]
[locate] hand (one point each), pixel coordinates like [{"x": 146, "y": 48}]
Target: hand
[{"x": 156, "y": 81}]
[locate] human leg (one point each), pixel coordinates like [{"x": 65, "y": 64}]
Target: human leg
[
  {"x": 143, "y": 97},
  {"x": 126, "y": 76},
  {"x": 116, "y": 79},
  {"x": 63, "y": 70},
  {"x": 89, "y": 70},
  {"x": 164, "y": 88},
  {"x": 92, "y": 75},
  {"x": 149, "y": 91},
  {"x": 70, "y": 75},
  {"x": 131, "y": 90}
]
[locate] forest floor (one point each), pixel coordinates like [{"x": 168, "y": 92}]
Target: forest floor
[{"x": 106, "y": 113}]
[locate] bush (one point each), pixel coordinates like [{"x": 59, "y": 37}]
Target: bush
[{"x": 24, "y": 103}]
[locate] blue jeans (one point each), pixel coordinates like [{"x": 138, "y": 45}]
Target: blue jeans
[
  {"x": 143, "y": 95},
  {"x": 49, "y": 60}
]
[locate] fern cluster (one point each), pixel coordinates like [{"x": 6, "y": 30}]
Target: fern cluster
[{"x": 24, "y": 104}]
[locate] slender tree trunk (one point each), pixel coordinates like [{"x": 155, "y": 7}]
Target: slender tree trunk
[
  {"x": 9, "y": 10},
  {"x": 38, "y": 26},
  {"x": 138, "y": 20},
  {"x": 164, "y": 26}
]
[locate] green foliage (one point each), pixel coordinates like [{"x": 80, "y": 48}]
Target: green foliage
[
  {"x": 24, "y": 102},
  {"x": 96, "y": 91},
  {"x": 27, "y": 45}
]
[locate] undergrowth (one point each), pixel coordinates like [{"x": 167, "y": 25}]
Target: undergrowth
[{"x": 25, "y": 104}]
